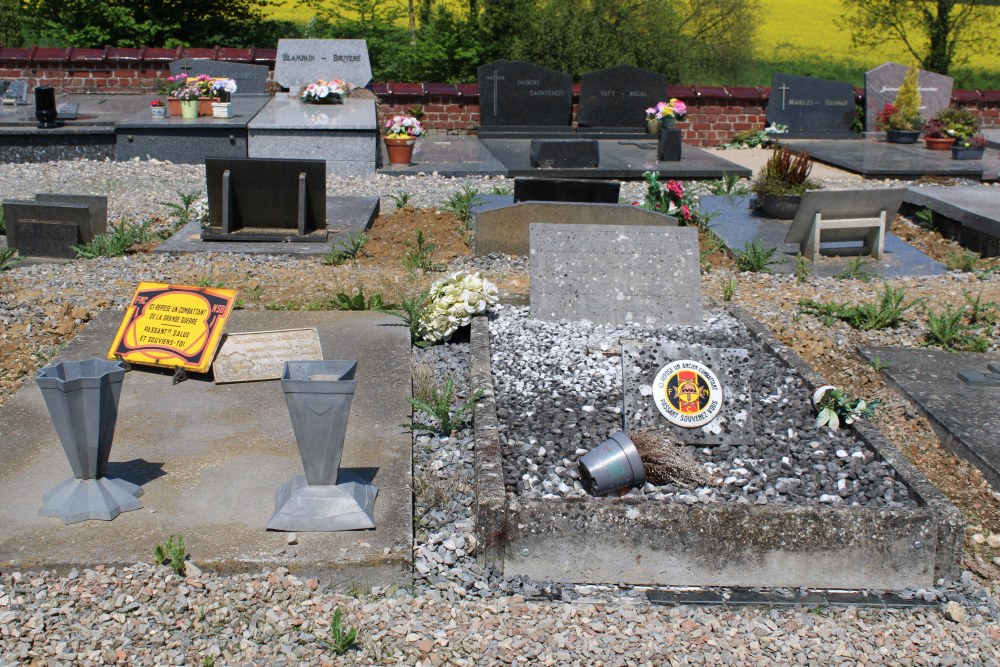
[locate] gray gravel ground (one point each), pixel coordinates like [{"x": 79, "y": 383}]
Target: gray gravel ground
[{"x": 457, "y": 612}]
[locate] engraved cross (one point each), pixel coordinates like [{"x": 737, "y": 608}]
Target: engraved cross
[
  {"x": 495, "y": 78},
  {"x": 783, "y": 88}
]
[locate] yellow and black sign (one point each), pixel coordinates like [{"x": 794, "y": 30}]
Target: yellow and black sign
[{"x": 173, "y": 325}]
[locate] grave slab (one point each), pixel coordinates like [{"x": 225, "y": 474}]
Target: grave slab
[
  {"x": 737, "y": 224},
  {"x": 188, "y": 140},
  {"x": 519, "y": 94},
  {"x": 96, "y": 204},
  {"x": 446, "y": 156},
  {"x": 506, "y": 230},
  {"x": 641, "y": 360},
  {"x": 882, "y": 85},
  {"x": 344, "y": 216},
  {"x": 567, "y": 190},
  {"x": 210, "y": 458},
  {"x": 48, "y": 242},
  {"x": 812, "y": 107},
  {"x": 250, "y": 79},
  {"x": 564, "y": 153},
  {"x": 47, "y": 238},
  {"x": 966, "y": 418},
  {"x": 345, "y": 135},
  {"x": 613, "y": 274},
  {"x": 620, "y": 158},
  {"x": 968, "y": 214},
  {"x": 879, "y": 159},
  {"x": 619, "y": 96}
]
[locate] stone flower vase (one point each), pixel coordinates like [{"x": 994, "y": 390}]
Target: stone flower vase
[
  {"x": 82, "y": 398},
  {"x": 779, "y": 207},
  {"x": 613, "y": 465},
  {"x": 319, "y": 396},
  {"x": 668, "y": 147},
  {"x": 400, "y": 151}
]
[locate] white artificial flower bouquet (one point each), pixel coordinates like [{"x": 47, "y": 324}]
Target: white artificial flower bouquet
[{"x": 452, "y": 303}]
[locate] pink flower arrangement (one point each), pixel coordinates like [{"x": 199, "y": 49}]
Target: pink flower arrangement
[
  {"x": 403, "y": 127},
  {"x": 669, "y": 112},
  {"x": 325, "y": 92}
]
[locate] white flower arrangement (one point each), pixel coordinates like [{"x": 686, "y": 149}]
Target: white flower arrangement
[
  {"x": 325, "y": 92},
  {"x": 453, "y": 302},
  {"x": 224, "y": 85},
  {"x": 403, "y": 127}
]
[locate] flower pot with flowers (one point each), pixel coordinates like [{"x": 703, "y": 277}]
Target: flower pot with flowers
[
  {"x": 188, "y": 98},
  {"x": 183, "y": 88},
  {"x": 158, "y": 108},
  {"x": 672, "y": 199},
  {"x": 969, "y": 148},
  {"x": 325, "y": 92},
  {"x": 222, "y": 89},
  {"x": 664, "y": 114},
  {"x": 901, "y": 120},
  {"x": 948, "y": 125},
  {"x": 401, "y": 134}
]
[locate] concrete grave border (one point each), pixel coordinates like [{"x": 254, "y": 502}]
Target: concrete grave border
[{"x": 646, "y": 542}]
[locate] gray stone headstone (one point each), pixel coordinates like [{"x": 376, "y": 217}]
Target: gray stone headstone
[
  {"x": 614, "y": 274},
  {"x": 505, "y": 229},
  {"x": 883, "y": 82},
  {"x": 303, "y": 61},
  {"x": 514, "y": 93},
  {"x": 564, "y": 153},
  {"x": 619, "y": 96},
  {"x": 96, "y": 204},
  {"x": 249, "y": 78},
  {"x": 642, "y": 360},
  {"x": 16, "y": 93},
  {"x": 810, "y": 106},
  {"x": 18, "y": 214}
]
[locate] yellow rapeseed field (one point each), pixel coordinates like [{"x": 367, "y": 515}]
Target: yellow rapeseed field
[{"x": 788, "y": 29}]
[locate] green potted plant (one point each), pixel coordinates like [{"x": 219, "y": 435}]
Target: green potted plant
[
  {"x": 780, "y": 183},
  {"x": 901, "y": 120},
  {"x": 969, "y": 148},
  {"x": 947, "y": 125},
  {"x": 401, "y": 132}
]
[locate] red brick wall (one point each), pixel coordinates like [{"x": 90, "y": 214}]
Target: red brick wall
[{"x": 715, "y": 113}]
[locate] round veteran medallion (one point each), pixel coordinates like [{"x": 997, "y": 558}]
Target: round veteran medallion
[{"x": 687, "y": 393}]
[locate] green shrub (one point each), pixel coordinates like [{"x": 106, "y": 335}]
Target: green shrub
[
  {"x": 117, "y": 241},
  {"x": 7, "y": 258},
  {"x": 784, "y": 173},
  {"x": 755, "y": 257},
  {"x": 341, "y": 637},
  {"x": 461, "y": 204},
  {"x": 888, "y": 312},
  {"x": 172, "y": 553},
  {"x": 854, "y": 271},
  {"x": 420, "y": 257},
  {"x": 950, "y": 330},
  {"x": 347, "y": 250},
  {"x": 445, "y": 420},
  {"x": 358, "y": 301}
]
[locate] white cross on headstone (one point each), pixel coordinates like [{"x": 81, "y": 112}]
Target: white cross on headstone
[
  {"x": 495, "y": 78},
  {"x": 783, "y": 88}
]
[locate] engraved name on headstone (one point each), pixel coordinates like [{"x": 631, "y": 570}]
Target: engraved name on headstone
[
  {"x": 811, "y": 106},
  {"x": 303, "y": 61},
  {"x": 619, "y": 96},
  {"x": 261, "y": 355},
  {"x": 513, "y": 93}
]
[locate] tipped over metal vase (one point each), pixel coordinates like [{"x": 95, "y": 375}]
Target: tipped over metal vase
[
  {"x": 319, "y": 396},
  {"x": 82, "y": 398},
  {"x": 613, "y": 465}
]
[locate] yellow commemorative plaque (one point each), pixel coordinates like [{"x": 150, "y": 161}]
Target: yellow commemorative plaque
[{"x": 173, "y": 325}]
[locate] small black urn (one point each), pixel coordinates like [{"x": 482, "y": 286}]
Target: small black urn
[{"x": 45, "y": 107}]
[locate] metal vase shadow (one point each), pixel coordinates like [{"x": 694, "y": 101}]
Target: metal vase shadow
[
  {"x": 82, "y": 398},
  {"x": 319, "y": 395},
  {"x": 613, "y": 465}
]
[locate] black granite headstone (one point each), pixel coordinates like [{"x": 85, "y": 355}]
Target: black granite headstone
[
  {"x": 580, "y": 190},
  {"x": 47, "y": 238},
  {"x": 17, "y": 213},
  {"x": 619, "y": 96},
  {"x": 265, "y": 199},
  {"x": 811, "y": 107},
  {"x": 565, "y": 153},
  {"x": 513, "y": 93},
  {"x": 97, "y": 206},
  {"x": 249, "y": 78}
]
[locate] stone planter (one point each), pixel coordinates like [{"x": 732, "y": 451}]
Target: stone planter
[
  {"x": 939, "y": 143},
  {"x": 222, "y": 109},
  {"x": 82, "y": 398},
  {"x": 902, "y": 136},
  {"x": 400, "y": 150},
  {"x": 779, "y": 207},
  {"x": 970, "y": 153},
  {"x": 158, "y": 112},
  {"x": 204, "y": 106},
  {"x": 319, "y": 395}
]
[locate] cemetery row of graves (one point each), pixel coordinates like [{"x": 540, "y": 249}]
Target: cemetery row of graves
[{"x": 615, "y": 425}]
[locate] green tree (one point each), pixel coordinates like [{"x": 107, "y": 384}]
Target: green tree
[
  {"x": 938, "y": 33},
  {"x": 10, "y": 23},
  {"x": 128, "y": 23}
]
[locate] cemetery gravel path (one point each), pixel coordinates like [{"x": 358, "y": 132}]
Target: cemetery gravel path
[{"x": 147, "y": 615}]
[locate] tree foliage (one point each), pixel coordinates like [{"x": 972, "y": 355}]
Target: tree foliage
[
  {"x": 697, "y": 41},
  {"x": 170, "y": 23},
  {"x": 10, "y": 23},
  {"x": 937, "y": 33}
]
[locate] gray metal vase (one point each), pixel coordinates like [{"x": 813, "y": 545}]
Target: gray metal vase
[
  {"x": 319, "y": 395},
  {"x": 82, "y": 398}
]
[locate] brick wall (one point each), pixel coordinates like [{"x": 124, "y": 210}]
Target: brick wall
[{"x": 715, "y": 113}]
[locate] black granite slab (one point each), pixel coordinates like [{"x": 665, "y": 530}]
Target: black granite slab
[
  {"x": 620, "y": 158},
  {"x": 966, "y": 418},
  {"x": 810, "y": 106},
  {"x": 970, "y": 215},
  {"x": 514, "y": 93},
  {"x": 446, "y": 156},
  {"x": 564, "y": 153},
  {"x": 737, "y": 224},
  {"x": 619, "y": 96},
  {"x": 880, "y": 159}
]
